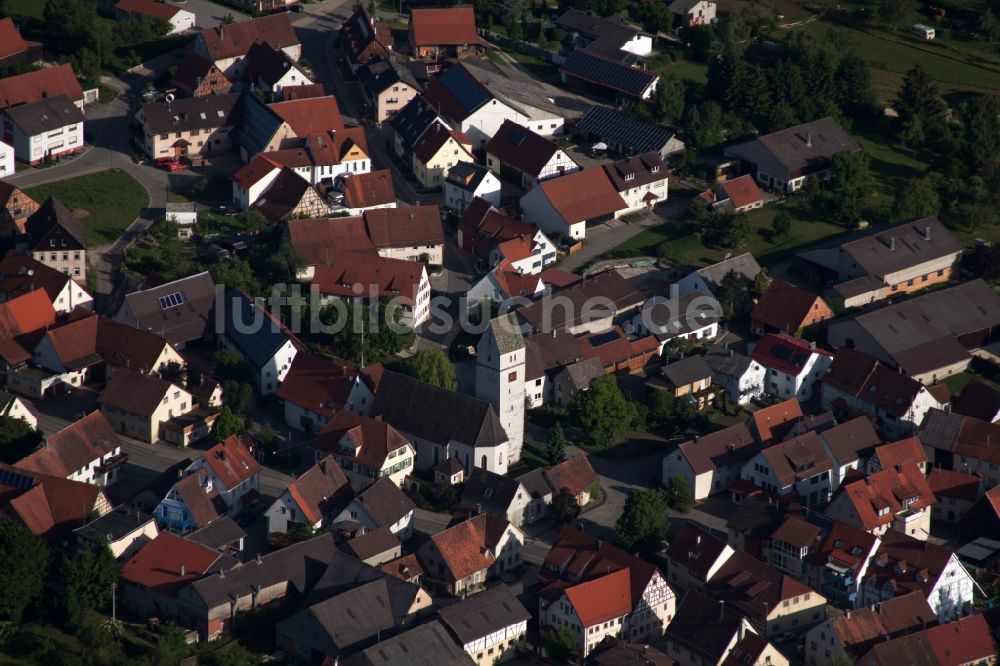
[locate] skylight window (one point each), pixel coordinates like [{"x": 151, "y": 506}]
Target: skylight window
[{"x": 172, "y": 300}]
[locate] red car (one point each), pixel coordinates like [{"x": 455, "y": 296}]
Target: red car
[{"x": 169, "y": 164}]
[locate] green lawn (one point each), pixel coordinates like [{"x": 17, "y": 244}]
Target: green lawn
[
  {"x": 685, "y": 70},
  {"x": 958, "y": 382},
  {"x": 686, "y": 249},
  {"x": 112, "y": 200},
  {"x": 891, "y": 54}
]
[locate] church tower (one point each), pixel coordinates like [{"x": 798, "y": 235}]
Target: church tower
[{"x": 500, "y": 377}]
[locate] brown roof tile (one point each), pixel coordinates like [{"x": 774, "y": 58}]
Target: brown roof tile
[
  {"x": 887, "y": 489},
  {"x": 311, "y": 116},
  {"x": 771, "y": 422},
  {"x": 582, "y": 195},
  {"x": 375, "y": 188},
  {"x": 318, "y": 384},
  {"x": 470, "y": 545},
  {"x": 35, "y": 86},
  {"x": 788, "y": 308},
  {"x": 444, "y": 26},
  {"x": 319, "y": 489},
  {"x": 74, "y": 447},
  {"x": 231, "y": 461},
  {"x": 372, "y": 439},
  {"x": 405, "y": 227},
  {"x": 134, "y": 393},
  {"x": 235, "y": 39},
  {"x": 159, "y": 564}
]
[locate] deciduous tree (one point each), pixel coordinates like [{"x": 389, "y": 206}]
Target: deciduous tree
[
  {"x": 678, "y": 494},
  {"x": 25, "y": 560},
  {"x": 603, "y": 412},
  {"x": 17, "y": 439},
  {"x": 644, "y": 520},
  {"x": 432, "y": 366}
]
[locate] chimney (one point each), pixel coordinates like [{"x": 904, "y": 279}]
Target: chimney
[
  {"x": 722, "y": 611},
  {"x": 927, "y": 232},
  {"x": 697, "y": 539},
  {"x": 732, "y": 352},
  {"x": 259, "y": 561},
  {"x": 892, "y": 243},
  {"x": 222, "y": 573},
  {"x": 183, "y": 570},
  {"x": 809, "y": 138}
]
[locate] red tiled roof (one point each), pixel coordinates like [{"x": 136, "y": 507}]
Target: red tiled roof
[
  {"x": 372, "y": 439},
  {"x": 235, "y": 39},
  {"x": 742, "y": 191},
  {"x": 443, "y": 26},
  {"x": 904, "y": 451},
  {"x": 956, "y": 485},
  {"x": 38, "y": 85},
  {"x": 315, "y": 239},
  {"x": 796, "y": 532},
  {"x": 887, "y": 489},
  {"x": 405, "y": 227},
  {"x": 512, "y": 283},
  {"x": 75, "y": 342},
  {"x": 559, "y": 278},
  {"x": 772, "y": 422},
  {"x": 753, "y": 587},
  {"x": 992, "y": 496},
  {"x": 11, "y": 42},
  {"x": 318, "y": 488},
  {"x": 516, "y": 249},
  {"x": 22, "y": 315},
  {"x": 582, "y": 195},
  {"x": 601, "y": 599},
  {"x": 320, "y": 385},
  {"x": 158, "y": 565},
  {"x": 405, "y": 568},
  {"x": 52, "y": 506},
  {"x": 881, "y": 621},
  {"x": 965, "y": 641},
  {"x": 436, "y": 136},
  {"x": 124, "y": 346},
  {"x": 254, "y": 171},
  {"x": 203, "y": 504},
  {"x": 469, "y": 546},
  {"x": 785, "y": 353},
  {"x": 311, "y": 116},
  {"x": 846, "y": 545},
  {"x": 343, "y": 272},
  {"x": 231, "y": 461},
  {"x": 308, "y": 91},
  {"x": 788, "y": 308},
  {"x": 574, "y": 474},
  {"x": 363, "y": 190},
  {"x": 150, "y": 8},
  {"x": 74, "y": 447}
]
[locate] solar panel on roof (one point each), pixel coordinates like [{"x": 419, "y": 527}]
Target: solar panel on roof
[
  {"x": 469, "y": 93},
  {"x": 15, "y": 480},
  {"x": 604, "y": 338},
  {"x": 608, "y": 72},
  {"x": 618, "y": 129}
]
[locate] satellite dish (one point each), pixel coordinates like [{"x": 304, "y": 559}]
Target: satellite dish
[
  {"x": 31, "y": 272},
  {"x": 169, "y": 98}
]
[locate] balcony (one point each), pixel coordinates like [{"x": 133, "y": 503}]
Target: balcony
[{"x": 112, "y": 463}]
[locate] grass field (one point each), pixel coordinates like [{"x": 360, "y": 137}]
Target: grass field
[
  {"x": 686, "y": 249},
  {"x": 112, "y": 200},
  {"x": 892, "y": 54},
  {"x": 958, "y": 382}
]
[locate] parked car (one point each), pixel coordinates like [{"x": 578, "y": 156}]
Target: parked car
[{"x": 169, "y": 164}]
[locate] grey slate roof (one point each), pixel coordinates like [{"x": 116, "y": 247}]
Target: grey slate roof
[
  {"x": 910, "y": 247},
  {"x": 53, "y": 221},
  {"x": 218, "y": 533},
  {"x": 507, "y": 333},
  {"x": 436, "y": 414},
  {"x": 745, "y": 264},
  {"x": 179, "y": 324},
  {"x": 353, "y": 617},
  {"x": 301, "y": 565},
  {"x": 346, "y": 573},
  {"x": 799, "y": 150},
  {"x": 952, "y": 312},
  {"x": 535, "y": 483},
  {"x": 727, "y": 362},
  {"x": 385, "y": 502},
  {"x": 493, "y": 492},
  {"x": 45, "y": 115},
  {"x": 686, "y": 371},
  {"x": 583, "y": 372},
  {"x": 189, "y": 113},
  {"x": 459, "y": 174},
  {"x": 378, "y": 74},
  {"x": 413, "y": 120},
  {"x": 609, "y": 34},
  {"x": 526, "y": 95},
  {"x": 424, "y": 645},
  {"x": 484, "y": 613},
  {"x": 940, "y": 429},
  {"x": 117, "y": 523}
]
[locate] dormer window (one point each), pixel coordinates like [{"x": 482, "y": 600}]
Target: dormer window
[
  {"x": 883, "y": 511},
  {"x": 630, "y": 176},
  {"x": 654, "y": 169}
]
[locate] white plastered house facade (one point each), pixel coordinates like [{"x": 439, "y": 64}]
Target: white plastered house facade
[
  {"x": 6, "y": 160},
  {"x": 459, "y": 198},
  {"x": 359, "y": 401},
  {"x": 785, "y": 385},
  {"x": 950, "y": 598},
  {"x": 759, "y": 473},
  {"x": 539, "y": 211},
  {"x": 397, "y": 465},
  {"x": 644, "y": 623},
  {"x": 891, "y": 426},
  {"x": 286, "y": 510},
  {"x": 246, "y": 197},
  {"x": 233, "y": 66},
  {"x": 175, "y": 402},
  {"x": 703, "y": 484},
  {"x": 402, "y": 528},
  {"x": 484, "y": 122},
  {"x": 431, "y": 453},
  {"x": 13, "y": 407},
  {"x": 543, "y": 254},
  {"x": 497, "y": 645},
  {"x": 71, "y": 297}
]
